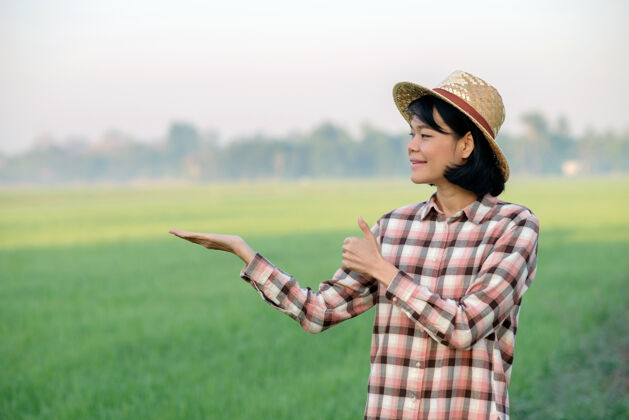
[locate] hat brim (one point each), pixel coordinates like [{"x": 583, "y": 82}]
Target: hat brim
[{"x": 406, "y": 92}]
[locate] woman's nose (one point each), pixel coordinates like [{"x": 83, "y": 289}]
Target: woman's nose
[{"x": 413, "y": 145}]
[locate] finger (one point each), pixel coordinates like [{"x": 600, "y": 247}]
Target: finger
[
  {"x": 192, "y": 235},
  {"x": 182, "y": 233},
  {"x": 185, "y": 235},
  {"x": 348, "y": 243},
  {"x": 365, "y": 228},
  {"x": 348, "y": 252},
  {"x": 346, "y": 262},
  {"x": 189, "y": 236}
]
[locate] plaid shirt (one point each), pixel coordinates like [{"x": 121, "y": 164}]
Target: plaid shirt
[{"x": 444, "y": 329}]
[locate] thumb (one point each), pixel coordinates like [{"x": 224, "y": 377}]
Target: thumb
[{"x": 365, "y": 228}]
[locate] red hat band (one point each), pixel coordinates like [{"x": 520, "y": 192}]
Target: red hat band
[{"x": 467, "y": 108}]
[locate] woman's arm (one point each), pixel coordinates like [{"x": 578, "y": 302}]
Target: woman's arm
[{"x": 345, "y": 296}]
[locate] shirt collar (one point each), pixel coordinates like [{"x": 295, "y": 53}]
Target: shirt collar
[
  {"x": 475, "y": 211},
  {"x": 429, "y": 206}
]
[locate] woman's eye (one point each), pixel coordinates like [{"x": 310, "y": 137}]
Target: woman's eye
[{"x": 425, "y": 136}]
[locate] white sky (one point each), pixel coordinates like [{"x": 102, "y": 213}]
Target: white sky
[{"x": 80, "y": 68}]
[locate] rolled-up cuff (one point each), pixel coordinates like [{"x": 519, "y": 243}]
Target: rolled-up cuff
[
  {"x": 410, "y": 296},
  {"x": 401, "y": 287},
  {"x": 258, "y": 270}
]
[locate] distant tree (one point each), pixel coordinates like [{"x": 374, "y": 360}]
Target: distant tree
[
  {"x": 330, "y": 151},
  {"x": 183, "y": 139},
  {"x": 538, "y": 146}
]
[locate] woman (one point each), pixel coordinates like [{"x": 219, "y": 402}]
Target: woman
[{"x": 447, "y": 275}]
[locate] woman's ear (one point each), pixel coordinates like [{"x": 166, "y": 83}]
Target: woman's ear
[{"x": 466, "y": 145}]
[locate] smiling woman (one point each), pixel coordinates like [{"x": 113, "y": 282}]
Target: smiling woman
[
  {"x": 445, "y": 134},
  {"x": 446, "y": 275}
]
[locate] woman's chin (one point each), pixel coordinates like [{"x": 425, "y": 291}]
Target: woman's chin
[{"x": 419, "y": 180}]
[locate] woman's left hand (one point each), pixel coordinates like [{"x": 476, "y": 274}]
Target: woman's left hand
[{"x": 362, "y": 254}]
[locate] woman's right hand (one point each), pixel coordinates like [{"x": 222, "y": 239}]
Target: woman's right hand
[{"x": 230, "y": 243}]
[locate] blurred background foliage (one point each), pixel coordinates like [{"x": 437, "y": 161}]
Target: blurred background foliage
[{"x": 326, "y": 151}]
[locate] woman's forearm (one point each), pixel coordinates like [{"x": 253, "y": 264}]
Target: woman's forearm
[
  {"x": 244, "y": 251},
  {"x": 384, "y": 272}
]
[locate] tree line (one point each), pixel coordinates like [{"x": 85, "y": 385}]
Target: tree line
[{"x": 327, "y": 151}]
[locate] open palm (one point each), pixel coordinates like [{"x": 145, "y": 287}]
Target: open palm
[
  {"x": 209, "y": 240},
  {"x": 230, "y": 243}
]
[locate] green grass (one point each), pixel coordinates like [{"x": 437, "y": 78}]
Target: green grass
[{"x": 103, "y": 314}]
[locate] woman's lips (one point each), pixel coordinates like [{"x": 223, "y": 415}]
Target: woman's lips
[{"x": 417, "y": 163}]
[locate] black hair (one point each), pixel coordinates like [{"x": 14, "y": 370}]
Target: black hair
[{"x": 480, "y": 172}]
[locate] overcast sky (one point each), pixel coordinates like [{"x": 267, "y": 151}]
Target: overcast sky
[{"x": 81, "y": 68}]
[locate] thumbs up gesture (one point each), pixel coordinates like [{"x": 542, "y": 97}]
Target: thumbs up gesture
[{"x": 362, "y": 254}]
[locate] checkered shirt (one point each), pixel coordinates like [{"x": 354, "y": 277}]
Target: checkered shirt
[{"x": 444, "y": 329}]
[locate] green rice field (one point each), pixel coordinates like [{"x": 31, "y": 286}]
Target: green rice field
[{"x": 104, "y": 315}]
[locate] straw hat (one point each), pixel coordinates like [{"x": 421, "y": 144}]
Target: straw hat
[{"x": 471, "y": 95}]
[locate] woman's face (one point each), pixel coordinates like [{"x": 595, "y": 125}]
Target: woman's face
[{"x": 431, "y": 152}]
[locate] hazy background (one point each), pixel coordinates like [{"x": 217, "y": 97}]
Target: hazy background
[
  {"x": 81, "y": 69},
  {"x": 103, "y": 314}
]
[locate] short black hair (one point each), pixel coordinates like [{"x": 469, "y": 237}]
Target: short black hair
[{"x": 480, "y": 173}]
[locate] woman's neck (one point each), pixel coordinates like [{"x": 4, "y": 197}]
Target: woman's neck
[{"x": 452, "y": 198}]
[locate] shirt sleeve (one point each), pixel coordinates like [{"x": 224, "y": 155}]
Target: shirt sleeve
[
  {"x": 498, "y": 287},
  {"x": 345, "y": 296}
]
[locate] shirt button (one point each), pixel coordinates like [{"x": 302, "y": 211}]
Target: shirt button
[
  {"x": 412, "y": 395},
  {"x": 394, "y": 299},
  {"x": 418, "y": 364}
]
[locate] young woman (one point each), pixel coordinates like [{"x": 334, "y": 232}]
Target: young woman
[{"x": 447, "y": 275}]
